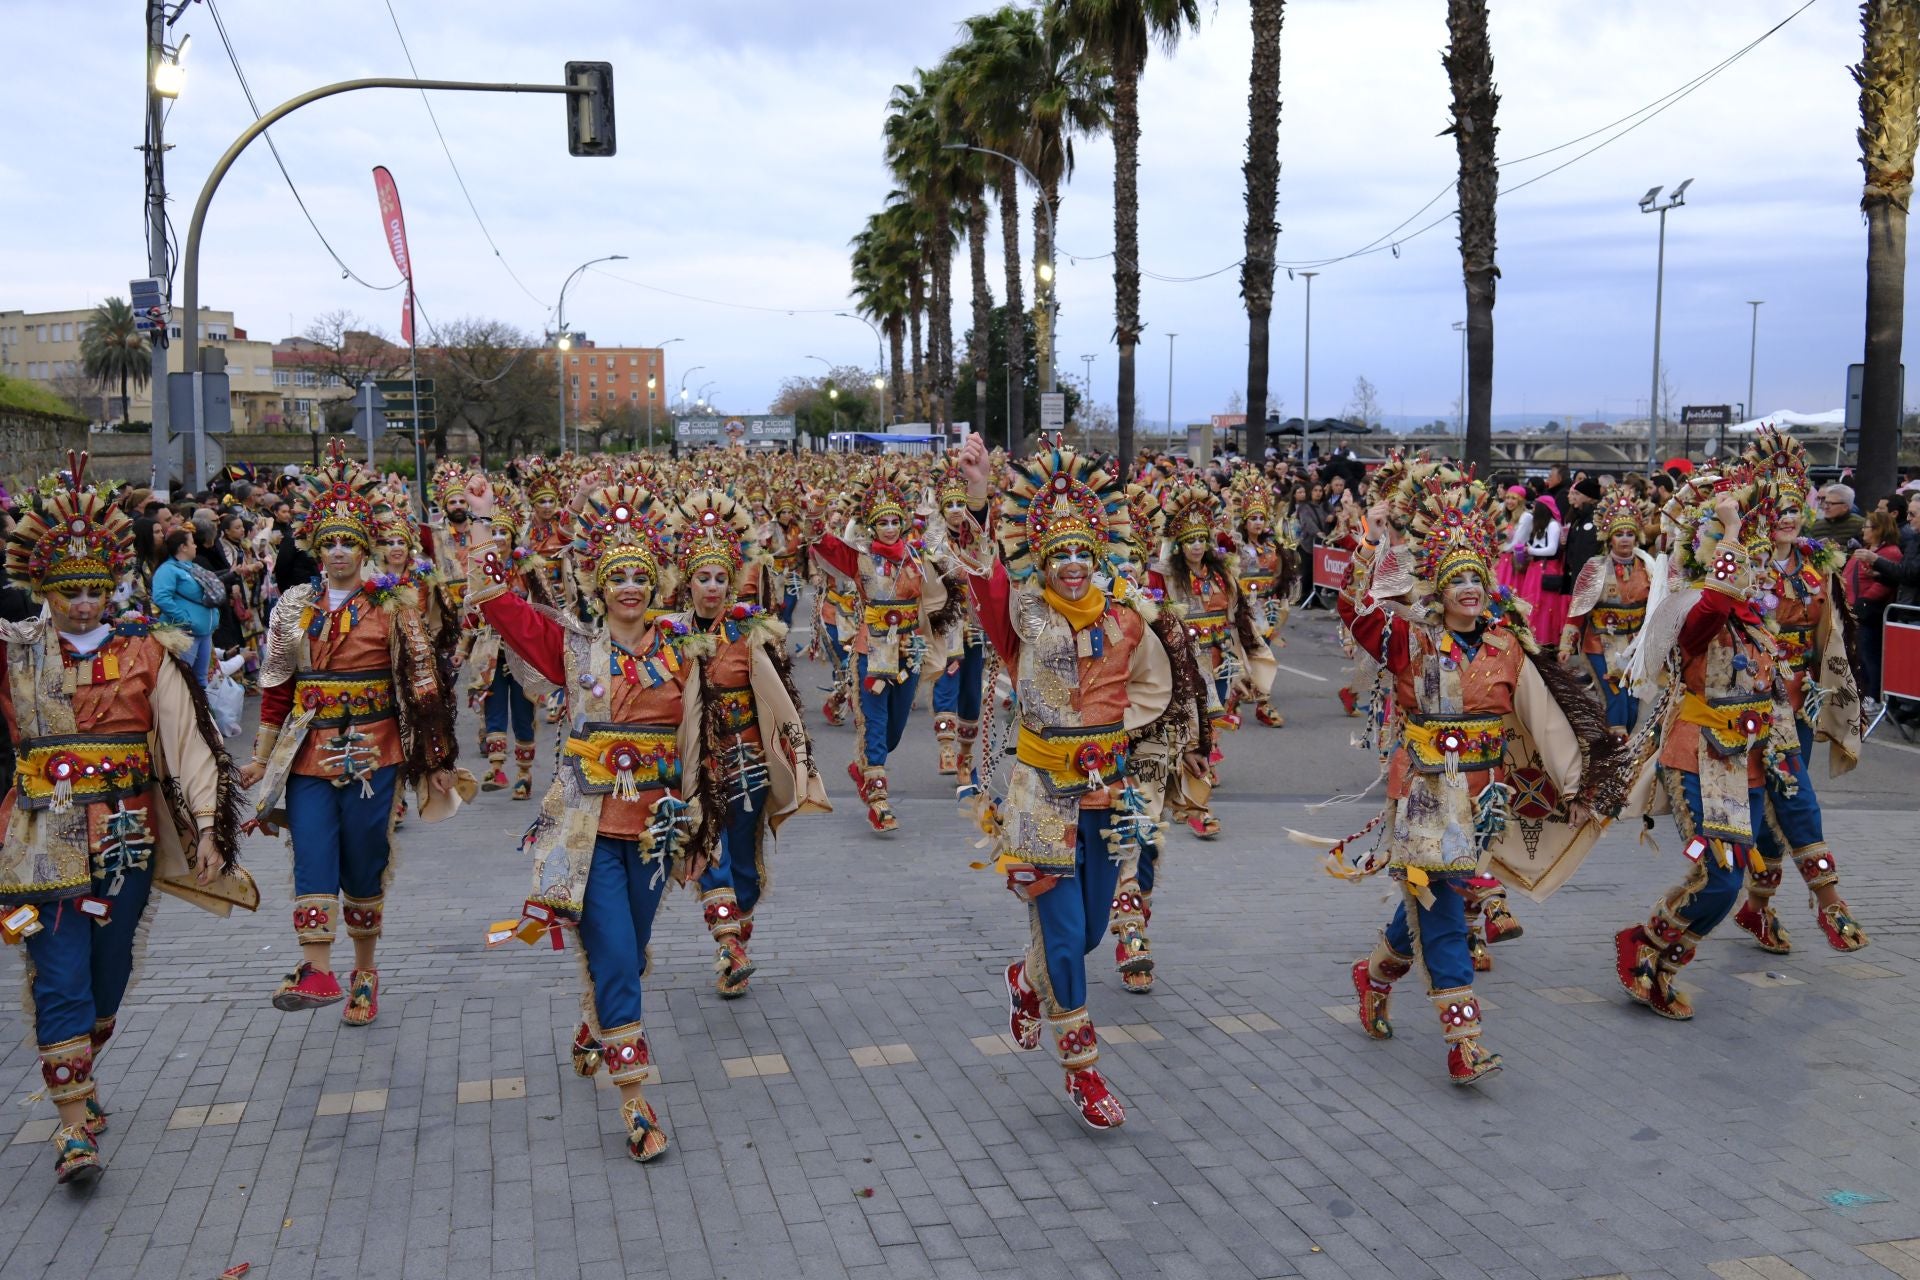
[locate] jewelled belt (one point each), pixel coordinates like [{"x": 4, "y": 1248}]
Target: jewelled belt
[
  {"x": 1257, "y": 582},
  {"x": 846, "y": 603},
  {"x": 1207, "y": 628},
  {"x": 736, "y": 711},
  {"x": 1439, "y": 743},
  {"x": 87, "y": 768},
  {"x": 1796, "y": 646},
  {"x": 341, "y": 697},
  {"x": 1075, "y": 760},
  {"x": 624, "y": 758},
  {"x": 456, "y": 593},
  {"x": 1730, "y": 726},
  {"x": 1619, "y": 619},
  {"x": 894, "y": 615}
]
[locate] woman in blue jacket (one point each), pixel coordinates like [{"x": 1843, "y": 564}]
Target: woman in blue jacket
[{"x": 179, "y": 598}]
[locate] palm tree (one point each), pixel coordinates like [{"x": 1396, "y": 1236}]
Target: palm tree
[
  {"x": 1469, "y": 64},
  {"x": 1121, "y": 33},
  {"x": 971, "y": 168},
  {"x": 1889, "y": 117},
  {"x": 112, "y": 349},
  {"x": 1263, "y": 197},
  {"x": 884, "y": 256},
  {"x": 916, "y": 152}
]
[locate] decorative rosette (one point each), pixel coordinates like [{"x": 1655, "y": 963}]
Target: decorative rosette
[
  {"x": 1057, "y": 499},
  {"x": 1689, "y": 522},
  {"x": 620, "y": 524},
  {"x": 341, "y": 498},
  {"x": 1621, "y": 512},
  {"x": 709, "y": 528},
  {"x": 73, "y": 535},
  {"x": 882, "y": 494}
]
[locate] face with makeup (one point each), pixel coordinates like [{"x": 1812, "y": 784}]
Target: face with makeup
[
  {"x": 1070, "y": 571},
  {"x": 341, "y": 556},
  {"x": 546, "y": 506},
  {"x": 955, "y": 514},
  {"x": 1257, "y": 525},
  {"x": 1623, "y": 543},
  {"x": 887, "y": 529},
  {"x": 1194, "y": 549},
  {"x": 395, "y": 552},
  {"x": 1462, "y": 599},
  {"x": 78, "y": 609},
  {"x": 1786, "y": 525},
  {"x": 626, "y": 590},
  {"x": 709, "y": 589}
]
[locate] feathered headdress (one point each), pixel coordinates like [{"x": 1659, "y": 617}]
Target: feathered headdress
[
  {"x": 542, "y": 479},
  {"x": 341, "y": 498},
  {"x": 621, "y": 524},
  {"x": 949, "y": 485},
  {"x": 73, "y": 536},
  {"x": 449, "y": 482},
  {"x": 883, "y": 495},
  {"x": 1058, "y": 499},
  {"x": 1780, "y": 463},
  {"x": 1187, "y": 511},
  {"x": 1621, "y": 512},
  {"x": 1454, "y": 525},
  {"x": 511, "y": 514},
  {"x": 710, "y": 528},
  {"x": 1249, "y": 494},
  {"x": 1688, "y": 517}
]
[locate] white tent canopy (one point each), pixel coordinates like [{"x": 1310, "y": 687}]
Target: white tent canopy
[{"x": 1831, "y": 420}]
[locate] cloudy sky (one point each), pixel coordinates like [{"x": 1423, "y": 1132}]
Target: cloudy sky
[{"x": 749, "y": 152}]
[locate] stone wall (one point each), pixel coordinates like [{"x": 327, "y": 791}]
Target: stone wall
[
  {"x": 32, "y": 444},
  {"x": 127, "y": 456}
]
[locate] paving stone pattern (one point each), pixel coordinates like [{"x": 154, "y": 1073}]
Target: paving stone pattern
[{"x": 861, "y": 1112}]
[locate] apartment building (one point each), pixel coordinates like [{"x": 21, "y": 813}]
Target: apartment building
[{"x": 601, "y": 379}]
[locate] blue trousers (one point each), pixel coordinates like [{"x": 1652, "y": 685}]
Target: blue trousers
[
  {"x": 340, "y": 836},
  {"x": 1622, "y": 707},
  {"x": 1443, "y": 935},
  {"x": 885, "y": 714},
  {"x": 835, "y": 649},
  {"x": 1149, "y": 867},
  {"x": 199, "y": 656},
  {"x": 789, "y": 600},
  {"x": 80, "y": 969},
  {"x": 1073, "y": 915},
  {"x": 1708, "y": 905},
  {"x": 959, "y": 693},
  {"x": 738, "y": 867},
  {"x": 506, "y": 700},
  {"x": 1798, "y": 815},
  {"x": 616, "y": 924}
]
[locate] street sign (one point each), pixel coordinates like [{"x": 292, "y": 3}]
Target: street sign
[
  {"x": 397, "y": 403},
  {"x": 149, "y": 300},
  {"x": 1053, "y": 411},
  {"x": 1706, "y": 415},
  {"x": 215, "y": 397}
]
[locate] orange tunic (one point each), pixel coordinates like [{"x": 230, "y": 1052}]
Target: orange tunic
[{"x": 348, "y": 647}]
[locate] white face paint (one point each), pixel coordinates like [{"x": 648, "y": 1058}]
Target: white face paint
[
  {"x": 1464, "y": 597},
  {"x": 78, "y": 609},
  {"x": 341, "y": 556},
  {"x": 1786, "y": 525},
  {"x": 709, "y": 590},
  {"x": 626, "y": 589},
  {"x": 1070, "y": 571},
  {"x": 887, "y": 529}
]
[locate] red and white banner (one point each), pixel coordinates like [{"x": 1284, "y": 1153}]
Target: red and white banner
[
  {"x": 1330, "y": 567},
  {"x": 393, "y": 224}
]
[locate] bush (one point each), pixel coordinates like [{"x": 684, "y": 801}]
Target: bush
[{"x": 18, "y": 393}]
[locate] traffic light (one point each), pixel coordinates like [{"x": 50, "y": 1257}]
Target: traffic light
[{"x": 590, "y": 115}]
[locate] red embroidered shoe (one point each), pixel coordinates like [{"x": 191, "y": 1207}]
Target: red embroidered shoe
[
  {"x": 1268, "y": 716},
  {"x": 1502, "y": 926},
  {"x": 1843, "y": 934},
  {"x": 76, "y": 1156},
  {"x": 859, "y": 778},
  {"x": 307, "y": 988},
  {"x": 586, "y": 1052},
  {"x": 1023, "y": 1008},
  {"x": 495, "y": 781},
  {"x": 1098, "y": 1109},
  {"x": 1764, "y": 925},
  {"x": 1646, "y": 971},
  {"x": 1374, "y": 1000},
  {"x": 732, "y": 968},
  {"x": 96, "y": 1122},
  {"x": 1206, "y": 826},
  {"x": 1468, "y": 1062},
  {"x": 834, "y": 711},
  {"x": 363, "y": 997},
  {"x": 1350, "y": 702}
]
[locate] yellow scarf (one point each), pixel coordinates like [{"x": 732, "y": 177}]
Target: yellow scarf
[{"x": 1081, "y": 613}]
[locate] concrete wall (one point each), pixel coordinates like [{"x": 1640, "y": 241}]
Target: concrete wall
[{"x": 32, "y": 445}]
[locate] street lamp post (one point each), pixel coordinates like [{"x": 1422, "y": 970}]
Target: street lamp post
[
  {"x": 653, "y": 381},
  {"x": 1753, "y": 346},
  {"x": 1170, "y": 338},
  {"x": 563, "y": 343},
  {"x": 1306, "y": 371},
  {"x": 1650, "y": 203},
  {"x": 1086, "y": 418},
  {"x": 1460, "y": 414}
]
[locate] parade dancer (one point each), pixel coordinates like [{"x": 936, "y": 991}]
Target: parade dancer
[
  {"x": 452, "y": 541},
  {"x": 355, "y": 699},
  {"x": 1804, "y": 605},
  {"x": 492, "y": 684},
  {"x": 1721, "y": 733},
  {"x": 121, "y": 786},
  {"x": 1609, "y": 606},
  {"x": 755, "y": 744},
  {"x": 398, "y": 560},
  {"x": 1202, "y": 588},
  {"x": 1090, "y": 673},
  {"x": 1480, "y": 717},
  {"x": 1154, "y": 760},
  {"x": 957, "y": 693},
  {"x": 904, "y": 604},
  {"x": 1267, "y": 568},
  {"x": 618, "y": 822}
]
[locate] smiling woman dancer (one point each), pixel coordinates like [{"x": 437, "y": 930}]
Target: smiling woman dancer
[{"x": 618, "y": 821}]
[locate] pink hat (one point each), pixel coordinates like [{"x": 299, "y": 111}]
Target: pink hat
[
  {"x": 1519, "y": 489},
  {"x": 1546, "y": 500}
]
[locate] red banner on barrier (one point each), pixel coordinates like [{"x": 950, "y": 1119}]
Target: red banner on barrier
[
  {"x": 1330, "y": 567},
  {"x": 1900, "y": 654}
]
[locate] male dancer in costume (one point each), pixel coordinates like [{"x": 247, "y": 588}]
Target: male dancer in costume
[
  {"x": 1610, "y": 606},
  {"x": 354, "y": 700},
  {"x": 957, "y": 693},
  {"x": 1089, "y": 674},
  {"x": 755, "y": 743},
  {"x": 121, "y": 785}
]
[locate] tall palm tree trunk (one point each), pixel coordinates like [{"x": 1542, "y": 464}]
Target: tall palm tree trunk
[
  {"x": 942, "y": 336},
  {"x": 126, "y": 398},
  {"x": 1048, "y": 205},
  {"x": 1009, "y": 192},
  {"x": 916, "y": 305},
  {"x": 1469, "y": 64},
  {"x": 1263, "y": 197},
  {"x": 977, "y": 350},
  {"x": 1889, "y": 117},
  {"x": 1126, "y": 246},
  {"x": 897, "y": 390}
]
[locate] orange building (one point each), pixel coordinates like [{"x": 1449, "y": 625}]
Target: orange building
[{"x": 602, "y": 379}]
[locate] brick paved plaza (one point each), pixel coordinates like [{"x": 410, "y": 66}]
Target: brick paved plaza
[{"x": 858, "y": 1114}]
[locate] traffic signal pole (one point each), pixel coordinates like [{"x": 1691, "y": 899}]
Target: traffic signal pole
[{"x": 599, "y": 90}]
